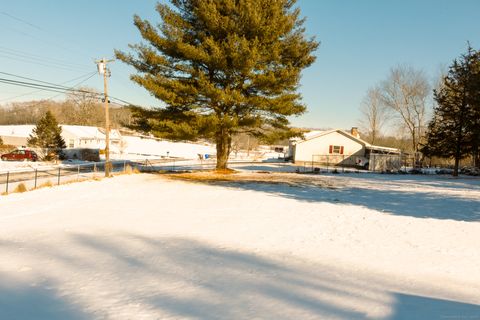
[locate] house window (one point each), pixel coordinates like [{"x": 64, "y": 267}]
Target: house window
[
  {"x": 71, "y": 143},
  {"x": 335, "y": 149}
]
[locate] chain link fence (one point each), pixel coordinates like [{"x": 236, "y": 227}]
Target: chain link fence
[
  {"x": 343, "y": 163},
  {"x": 33, "y": 178},
  {"x": 384, "y": 163}
]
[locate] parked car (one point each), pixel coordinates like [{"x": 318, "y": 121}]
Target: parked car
[{"x": 20, "y": 155}]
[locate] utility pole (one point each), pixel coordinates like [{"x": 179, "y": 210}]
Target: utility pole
[{"x": 102, "y": 69}]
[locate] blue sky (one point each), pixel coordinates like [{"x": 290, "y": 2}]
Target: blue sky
[{"x": 57, "y": 41}]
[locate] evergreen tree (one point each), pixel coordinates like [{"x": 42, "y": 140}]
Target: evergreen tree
[
  {"x": 221, "y": 67},
  {"x": 474, "y": 116},
  {"x": 47, "y": 135},
  {"x": 452, "y": 131}
]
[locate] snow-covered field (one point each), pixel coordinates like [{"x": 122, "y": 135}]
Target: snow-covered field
[{"x": 358, "y": 246}]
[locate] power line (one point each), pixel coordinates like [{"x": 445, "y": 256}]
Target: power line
[
  {"x": 54, "y": 88},
  {"x": 90, "y": 75},
  {"x": 48, "y": 86},
  {"x": 21, "y": 20},
  {"x": 26, "y": 78},
  {"x": 49, "y": 33},
  {"x": 32, "y": 61},
  {"x": 32, "y": 86},
  {"x": 40, "y": 58},
  {"x": 76, "y": 85}
]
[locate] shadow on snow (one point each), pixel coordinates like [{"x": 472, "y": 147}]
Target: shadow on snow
[
  {"x": 397, "y": 202},
  {"x": 183, "y": 278}
]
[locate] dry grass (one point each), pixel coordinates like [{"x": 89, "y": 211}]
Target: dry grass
[
  {"x": 205, "y": 176},
  {"x": 47, "y": 184},
  {"x": 130, "y": 170},
  {"x": 20, "y": 188},
  {"x": 74, "y": 181},
  {"x": 252, "y": 177}
]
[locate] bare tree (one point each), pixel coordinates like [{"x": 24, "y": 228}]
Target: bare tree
[
  {"x": 374, "y": 113},
  {"x": 87, "y": 108},
  {"x": 406, "y": 92}
]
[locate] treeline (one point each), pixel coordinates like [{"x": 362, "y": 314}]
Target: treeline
[
  {"x": 75, "y": 110},
  {"x": 403, "y": 103},
  {"x": 454, "y": 130}
]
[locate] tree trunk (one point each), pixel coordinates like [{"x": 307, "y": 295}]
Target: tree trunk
[
  {"x": 457, "y": 159},
  {"x": 223, "y": 142},
  {"x": 455, "y": 168}
]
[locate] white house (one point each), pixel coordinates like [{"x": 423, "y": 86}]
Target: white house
[
  {"x": 74, "y": 136},
  {"x": 338, "y": 147},
  {"x": 89, "y": 137}
]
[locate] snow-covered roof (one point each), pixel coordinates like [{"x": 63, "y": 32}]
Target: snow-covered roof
[
  {"x": 16, "y": 130},
  {"x": 85, "y": 132},
  {"x": 380, "y": 148},
  {"x": 317, "y": 133}
]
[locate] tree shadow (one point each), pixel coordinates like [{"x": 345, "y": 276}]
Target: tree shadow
[
  {"x": 135, "y": 275},
  {"x": 19, "y": 301},
  {"x": 398, "y": 202},
  {"x": 412, "y": 307}
]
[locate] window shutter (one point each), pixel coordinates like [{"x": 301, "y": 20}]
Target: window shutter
[
  {"x": 330, "y": 149},
  {"x": 341, "y": 150}
]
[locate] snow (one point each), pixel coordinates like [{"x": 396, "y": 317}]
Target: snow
[
  {"x": 16, "y": 130},
  {"x": 141, "y": 147},
  {"x": 79, "y": 131},
  {"x": 356, "y": 246}
]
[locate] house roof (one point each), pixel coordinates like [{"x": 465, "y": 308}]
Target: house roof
[
  {"x": 316, "y": 134},
  {"x": 22, "y": 131},
  {"x": 85, "y": 132},
  {"x": 88, "y": 132}
]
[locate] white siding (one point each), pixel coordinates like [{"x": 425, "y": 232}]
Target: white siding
[{"x": 305, "y": 150}]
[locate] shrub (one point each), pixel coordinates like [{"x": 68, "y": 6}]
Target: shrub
[
  {"x": 131, "y": 170},
  {"x": 20, "y": 188},
  {"x": 46, "y": 184}
]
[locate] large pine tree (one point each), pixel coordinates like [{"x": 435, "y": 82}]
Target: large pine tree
[
  {"x": 453, "y": 131},
  {"x": 47, "y": 135},
  {"x": 221, "y": 67}
]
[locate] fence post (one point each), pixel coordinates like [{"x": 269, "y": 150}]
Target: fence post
[
  {"x": 343, "y": 163},
  {"x": 78, "y": 172},
  {"x": 36, "y": 170},
  {"x": 328, "y": 162},
  {"x": 124, "y": 166},
  {"x": 58, "y": 182},
  {"x": 8, "y": 179}
]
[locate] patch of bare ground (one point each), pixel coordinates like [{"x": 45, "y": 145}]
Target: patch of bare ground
[{"x": 216, "y": 177}]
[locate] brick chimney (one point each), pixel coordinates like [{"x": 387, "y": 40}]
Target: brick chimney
[{"x": 354, "y": 132}]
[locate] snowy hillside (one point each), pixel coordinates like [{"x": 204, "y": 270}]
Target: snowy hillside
[{"x": 136, "y": 147}]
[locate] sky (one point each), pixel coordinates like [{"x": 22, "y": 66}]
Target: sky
[{"x": 58, "y": 41}]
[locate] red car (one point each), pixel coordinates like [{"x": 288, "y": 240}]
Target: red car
[{"x": 20, "y": 155}]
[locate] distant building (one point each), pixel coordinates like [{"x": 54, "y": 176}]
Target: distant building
[
  {"x": 75, "y": 136},
  {"x": 338, "y": 147}
]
